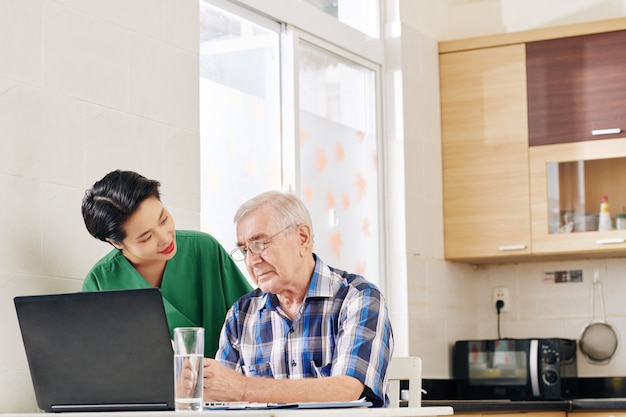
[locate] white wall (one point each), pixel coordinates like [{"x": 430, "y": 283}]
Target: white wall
[
  {"x": 86, "y": 87},
  {"x": 449, "y": 301}
]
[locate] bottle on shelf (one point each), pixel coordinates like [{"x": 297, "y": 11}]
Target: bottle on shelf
[{"x": 604, "y": 222}]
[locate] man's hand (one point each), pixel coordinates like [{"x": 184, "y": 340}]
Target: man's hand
[
  {"x": 186, "y": 382},
  {"x": 222, "y": 383}
]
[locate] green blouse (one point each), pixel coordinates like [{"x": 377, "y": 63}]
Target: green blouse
[{"x": 200, "y": 283}]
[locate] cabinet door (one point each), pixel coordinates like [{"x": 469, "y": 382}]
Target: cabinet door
[
  {"x": 581, "y": 173},
  {"x": 597, "y": 414},
  {"x": 485, "y": 153},
  {"x": 576, "y": 88},
  {"x": 530, "y": 414}
]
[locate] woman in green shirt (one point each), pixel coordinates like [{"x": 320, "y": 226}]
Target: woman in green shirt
[{"x": 198, "y": 279}]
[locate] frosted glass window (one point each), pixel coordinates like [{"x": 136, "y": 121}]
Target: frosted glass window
[
  {"x": 239, "y": 115},
  {"x": 338, "y": 159}
]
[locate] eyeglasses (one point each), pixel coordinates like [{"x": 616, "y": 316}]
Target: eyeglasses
[{"x": 256, "y": 246}]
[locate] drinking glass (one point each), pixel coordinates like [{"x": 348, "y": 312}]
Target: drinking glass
[{"x": 188, "y": 368}]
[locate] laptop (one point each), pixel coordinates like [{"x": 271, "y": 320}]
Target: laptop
[
  {"x": 98, "y": 351},
  {"x": 245, "y": 405}
]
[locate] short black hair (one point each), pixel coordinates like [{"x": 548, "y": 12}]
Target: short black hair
[{"x": 112, "y": 200}]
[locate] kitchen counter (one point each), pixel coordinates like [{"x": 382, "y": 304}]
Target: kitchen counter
[
  {"x": 486, "y": 406},
  {"x": 598, "y": 404},
  {"x": 597, "y": 393}
]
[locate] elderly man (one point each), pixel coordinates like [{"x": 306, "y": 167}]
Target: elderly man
[{"x": 309, "y": 332}]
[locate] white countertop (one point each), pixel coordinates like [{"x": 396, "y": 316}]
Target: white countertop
[{"x": 344, "y": 412}]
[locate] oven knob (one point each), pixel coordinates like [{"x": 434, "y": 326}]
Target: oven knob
[
  {"x": 549, "y": 358},
  {"x": 550, "y": 376}
]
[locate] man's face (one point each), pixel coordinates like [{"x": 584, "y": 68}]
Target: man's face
[{"x": 275, "y": 269}]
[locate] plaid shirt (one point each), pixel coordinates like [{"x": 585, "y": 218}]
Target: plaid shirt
[{"x": 342, "y": 328}]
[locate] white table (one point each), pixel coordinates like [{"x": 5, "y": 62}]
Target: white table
[{"x": 286, "y": 412}]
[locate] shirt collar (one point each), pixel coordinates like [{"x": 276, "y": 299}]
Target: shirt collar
[{"x": 321, "y": 281}]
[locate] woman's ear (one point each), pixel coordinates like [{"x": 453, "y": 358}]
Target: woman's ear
[{"x": 114, "y": 244}]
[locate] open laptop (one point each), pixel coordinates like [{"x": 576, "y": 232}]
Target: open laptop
[{"x": 98, "y": 351}]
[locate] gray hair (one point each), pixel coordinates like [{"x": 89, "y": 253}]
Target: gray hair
[{"x": 287, "y": 209}]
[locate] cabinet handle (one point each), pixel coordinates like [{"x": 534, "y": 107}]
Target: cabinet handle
[
  {"x": 599, "y": 132},
  {"x": 610, "y": 241},
  {"x": 511, "y": 247}
]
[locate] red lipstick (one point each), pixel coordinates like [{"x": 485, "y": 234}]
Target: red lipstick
[{"x": 169, "y": 249}]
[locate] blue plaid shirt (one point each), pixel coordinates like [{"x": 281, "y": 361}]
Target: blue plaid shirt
[{"x": 342, "y": 328}]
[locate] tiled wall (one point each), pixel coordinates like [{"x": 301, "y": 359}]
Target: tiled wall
[{"x": 86, "y": 87}]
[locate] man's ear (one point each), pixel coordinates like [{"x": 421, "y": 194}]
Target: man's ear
[
  {"x": 114, "y": 244},
  {"x": 304, "y": 236}
]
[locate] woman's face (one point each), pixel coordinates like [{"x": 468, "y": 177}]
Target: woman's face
[{"x": 150, "y": 234}]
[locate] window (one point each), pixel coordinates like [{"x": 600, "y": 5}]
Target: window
[
  {"x": 362, "y": 15},
  {"x": 338, "y": 153},
  {"x": 240, "y": 121},
  {"x": 283, "y": 109}
]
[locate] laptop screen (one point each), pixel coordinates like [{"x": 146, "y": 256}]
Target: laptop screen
[{"x": 96, "y": 351}]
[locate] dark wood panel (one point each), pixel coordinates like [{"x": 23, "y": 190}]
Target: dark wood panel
[{"x": 576, "y": 85}]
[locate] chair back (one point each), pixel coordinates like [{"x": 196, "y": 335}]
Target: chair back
[{"x": 407, "y": 368}]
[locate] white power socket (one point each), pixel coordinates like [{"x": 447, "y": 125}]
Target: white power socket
[{"x": 501, "y": 293}]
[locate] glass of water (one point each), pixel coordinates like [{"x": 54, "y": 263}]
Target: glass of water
[{"x": 188, "y": 368}]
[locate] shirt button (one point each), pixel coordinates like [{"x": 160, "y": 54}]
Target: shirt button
[
  {"x": 291, "y": 330},
  {"x": 293, "y": 364}
]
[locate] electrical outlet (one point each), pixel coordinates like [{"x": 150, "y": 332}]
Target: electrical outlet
[{"x": 501, "y": 293}]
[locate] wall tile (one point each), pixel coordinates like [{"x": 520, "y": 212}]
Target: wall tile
[
  {"x": 64, "y": 235},
  {"x": 16, "y": 392},
  {"x": 188, "y": 220},
  {"x": 85, "y": 57},
  {"x": 181, "y": 166},
  {"x": 42, "y": 134},
  {"x": 20, "y": 22},
  {"x": 20, "y": 223},
  {"x": 165, "y": 20},
  {"x": 142, "y": 16},
  {"x": 429, "y": 340},
  {"x": 170, "y": 94},
  {"x": 115, "y": 140},
  {"x": 181, "y": 25}
]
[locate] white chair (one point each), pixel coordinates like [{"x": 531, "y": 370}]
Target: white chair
[{"x": 405, "y": 369}]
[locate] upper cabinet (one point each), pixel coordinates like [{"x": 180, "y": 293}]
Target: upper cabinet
[
  {"x": 567, "y": 184},
  {"x": 576, "y": 88},
  {"x": 485, "y": 153},
  {"x": 533, "y": 135}
]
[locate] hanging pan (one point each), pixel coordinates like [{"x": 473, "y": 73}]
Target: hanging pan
[{"x": 598, "y": 341}]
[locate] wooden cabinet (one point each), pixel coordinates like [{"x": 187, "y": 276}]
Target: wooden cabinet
[
  {"x": 576, "y": 88},
  {"x": 571, "y": 178},
  {"x": 485, "y": 154},
  {"x": 521, "y": 414},
  {"x": 597, "y": 414},
  {"x": 505, "y": 103}
]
